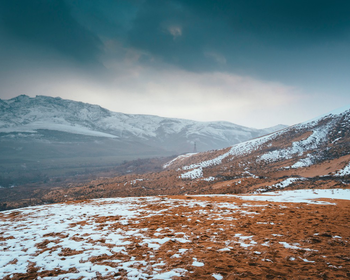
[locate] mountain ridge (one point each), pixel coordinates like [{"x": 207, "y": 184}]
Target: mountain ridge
[{"x": 26, "y": 114}]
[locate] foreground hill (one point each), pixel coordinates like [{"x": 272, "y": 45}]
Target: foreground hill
[
  {"x": 60, "y": 137},
  {"x": 182, "y": 237}
]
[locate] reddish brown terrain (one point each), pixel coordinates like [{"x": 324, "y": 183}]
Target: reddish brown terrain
[{"x": 178, "y": 237}]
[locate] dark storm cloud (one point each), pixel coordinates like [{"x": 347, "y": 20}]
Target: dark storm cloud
[
  {"x": 251, "y": 35},
  {"x": 241, "y": 35},
  {"x": 289, "y": 41},
  {"x": 48, "y": 25},
  {"x": 277, "y": 20}
]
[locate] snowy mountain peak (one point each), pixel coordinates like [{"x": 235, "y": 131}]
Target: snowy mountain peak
[{"x": 26, "y": 114}]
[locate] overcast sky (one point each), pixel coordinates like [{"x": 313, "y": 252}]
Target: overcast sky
[{"x": 255, "y": 63}]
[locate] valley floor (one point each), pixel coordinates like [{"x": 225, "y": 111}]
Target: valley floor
[{"x": 284, "y": 236}]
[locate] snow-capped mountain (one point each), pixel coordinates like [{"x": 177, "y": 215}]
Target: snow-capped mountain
[{"x": 30, "y": 115}]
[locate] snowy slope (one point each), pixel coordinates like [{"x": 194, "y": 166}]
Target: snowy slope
[
  {"x": 25, "y": 114},
  {"x": 310, "y": 154},
  {"x": 323, "y": 130}
]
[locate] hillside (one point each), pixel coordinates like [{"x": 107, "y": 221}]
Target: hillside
[{"x": 307, "y": 155}]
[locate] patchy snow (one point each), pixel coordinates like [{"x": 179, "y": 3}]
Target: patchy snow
[
  {"x": 193, "y": 174},
  {"x": 217, "y": 276},
  {"x": 318, "y": 136},
  {"x": 304, "y": 162},
  {"x": 250, "y": 175},
  {"x": 298, "y": 148},
  {"x": 96, "y": 238},
  {"x": 53, "y": 231},
  {"x": 245, "y": 241},
  {"x": 295, "y": 246},
  {"x": 301, "y": 196},
  {"x": 181, "y": 157},
  {"x": 343, "y": 172},
  {"x": 170, "y": 274},
  {"x": 133, "y": 182},
  {"x": 306, "y": 260},
  {"x": 209, "y": 179},
  {"x": 236, "y": 150},
  {"x": 280, "y": 185},
  {"x": 69, "y": 236},
  {"x": 197, "y": 263}
]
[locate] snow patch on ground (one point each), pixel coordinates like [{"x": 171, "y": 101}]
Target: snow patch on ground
[
  {"x": 197, "y": 263},
  {"x": 217, "y": 276},
  {"x": 304, "y": 162},
  {"x": 209, "y": 179},
  {"x": 193, "y": 174},
  {"x": 70, "y": 236},
  {"x": 301, "y": 196},
  {"x": 298, "y": 148},
  {"x": 250, "y": 175},
  {"x": 178, "y": 158},
  {"x": 280, "y": 185},
  {"x": 343, "y": 172},
  {"x": 245, "y": 241},
  {"x": 236, "y": 150}
]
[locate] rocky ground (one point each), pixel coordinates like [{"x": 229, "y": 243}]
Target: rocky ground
[{"x": 285, "y": 236}]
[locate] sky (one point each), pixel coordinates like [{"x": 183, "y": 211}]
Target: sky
[{"x": 251, "y": 62}]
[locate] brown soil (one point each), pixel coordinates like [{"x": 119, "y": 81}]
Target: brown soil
[{"x": 287, "y": 240}]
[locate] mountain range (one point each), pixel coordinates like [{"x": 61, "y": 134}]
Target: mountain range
[
  {"x": 28, "y": 115},
  {"x": 53, "y": 134}
]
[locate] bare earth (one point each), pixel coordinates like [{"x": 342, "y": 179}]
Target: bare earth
[{"x": 177, "y": 237}]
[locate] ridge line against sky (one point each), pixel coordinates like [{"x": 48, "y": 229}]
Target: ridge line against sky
[{"x": 253, "y": 63}]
